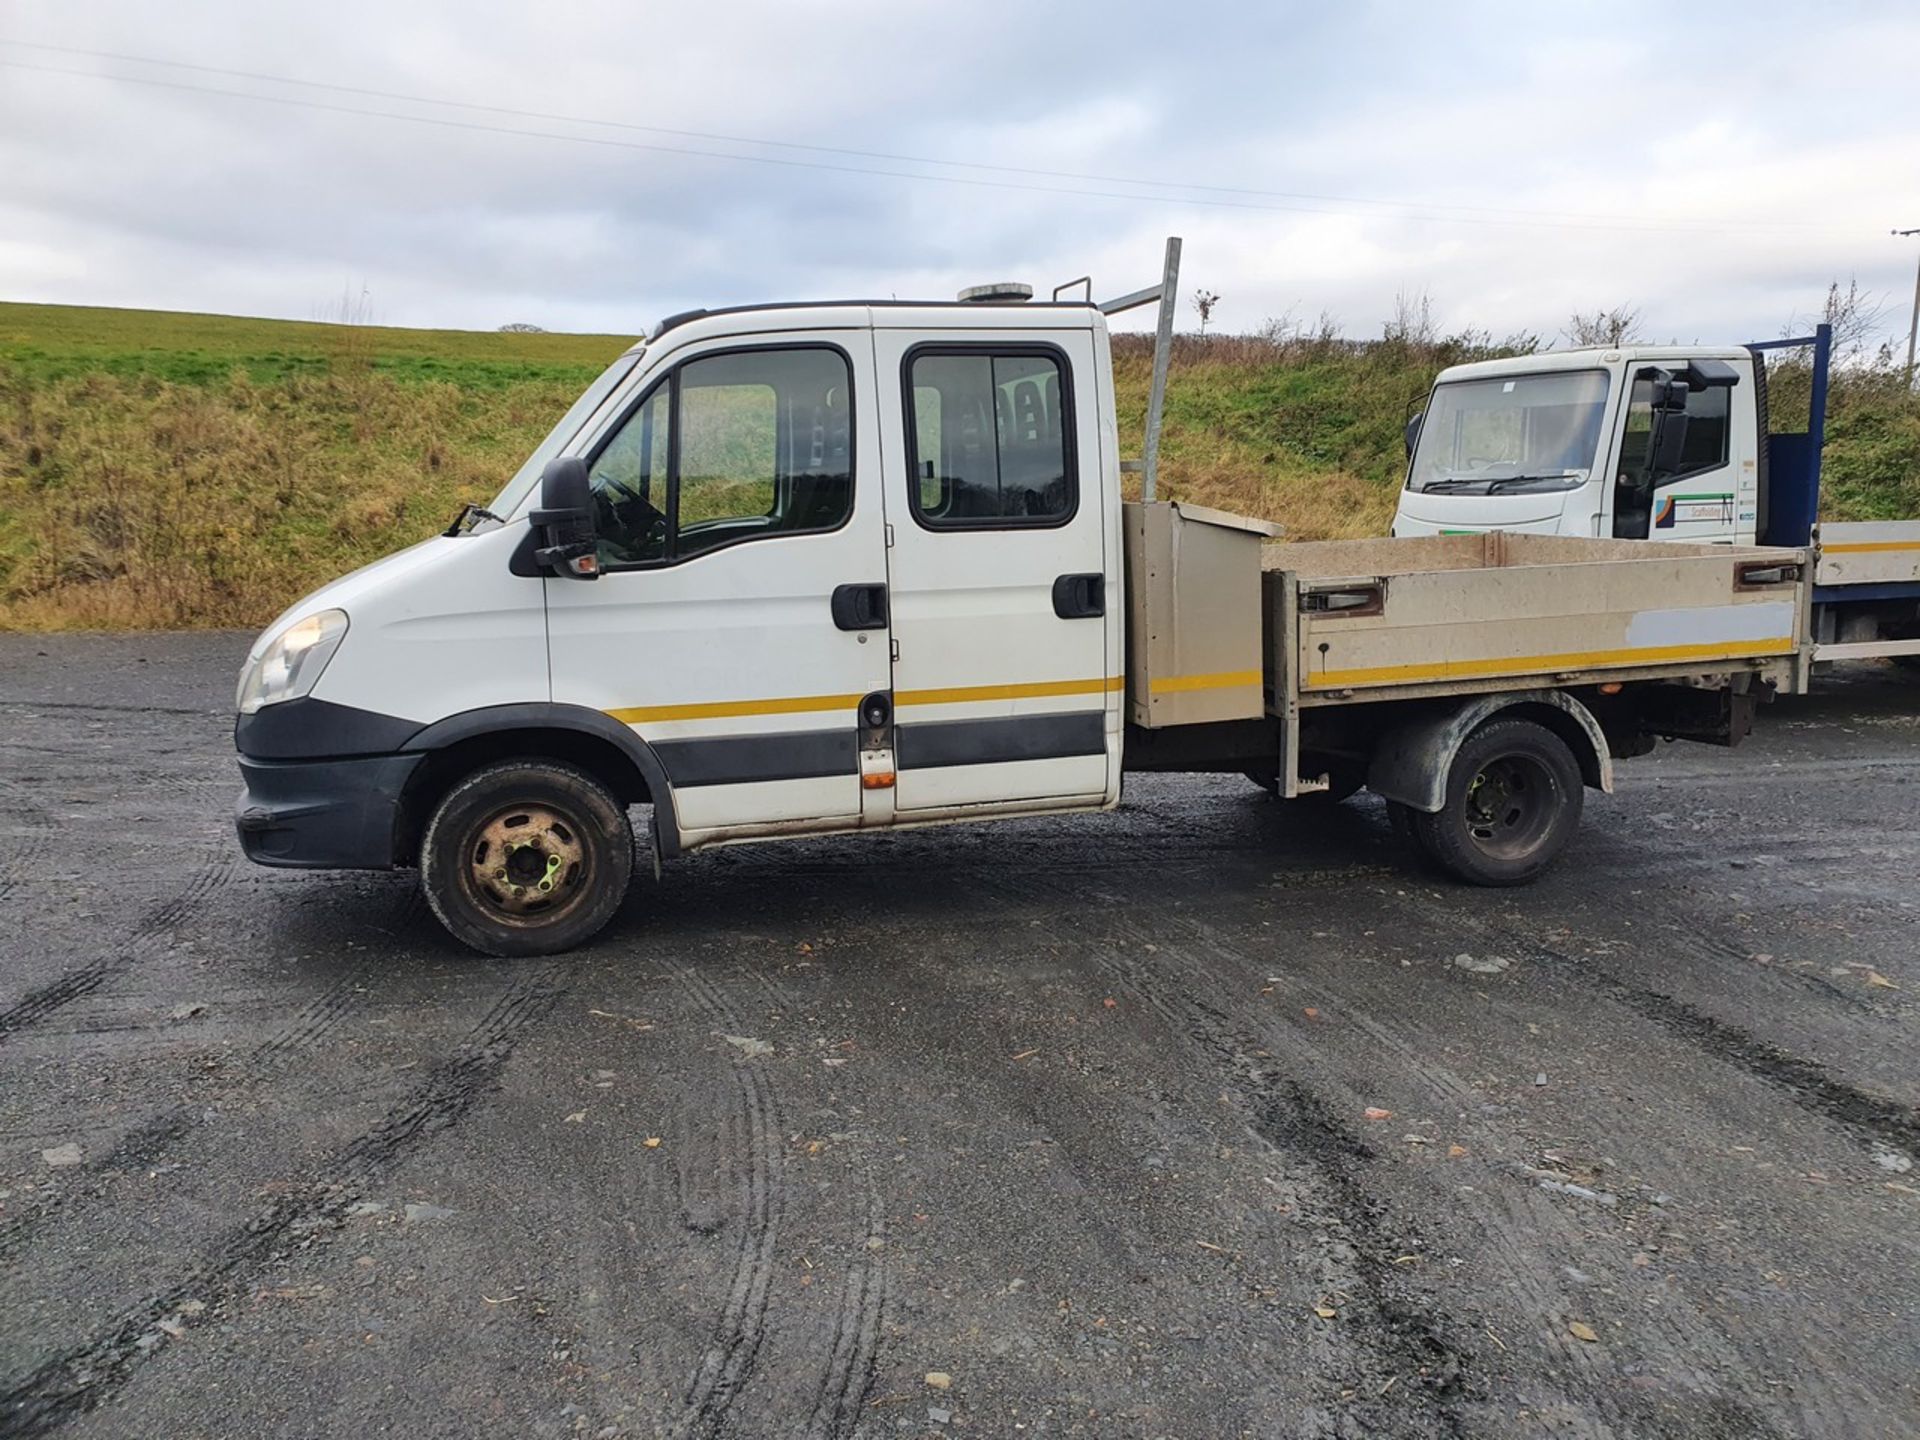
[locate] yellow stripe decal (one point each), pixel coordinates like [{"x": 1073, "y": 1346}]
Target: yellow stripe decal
[
  {"x": 1223, "y": 680},
  {"x": 961, "y": 694},
  {"x": 725, "y": 709},
  {"x": 804, "y": 704},
  {"x": 1526, "y": 664},
  {"x": 1862, "y": 547}
]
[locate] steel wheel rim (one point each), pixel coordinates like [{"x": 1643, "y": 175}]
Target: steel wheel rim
[
  {"x": 526, "y": 864},
  {"x": 1510, "y": 806}
]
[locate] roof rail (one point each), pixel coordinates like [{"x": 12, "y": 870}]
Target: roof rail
[{"x": 679, "y": 318}]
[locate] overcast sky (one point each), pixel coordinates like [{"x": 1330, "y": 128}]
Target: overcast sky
[{"x": 1713, "y": 165}]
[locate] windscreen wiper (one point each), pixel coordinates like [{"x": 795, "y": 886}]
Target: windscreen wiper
[
  {"x": 470, "y": 512},
  {"x": 1493, "y": 485}
]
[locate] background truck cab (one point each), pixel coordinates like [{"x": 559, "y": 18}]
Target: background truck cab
[
  {"x": 1660, "y": 442},
  {"x": 1566, "y": 445}
]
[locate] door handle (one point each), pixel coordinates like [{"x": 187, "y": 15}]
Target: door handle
[
  {"x": 1080, "y": 597},
  {"x": 860, "y": 607}
]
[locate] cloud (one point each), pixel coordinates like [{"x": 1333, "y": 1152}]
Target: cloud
[{"x": 1514, "y": 162}]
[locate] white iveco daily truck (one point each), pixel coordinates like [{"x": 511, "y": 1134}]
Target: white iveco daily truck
[{"x": 806, "y": 569}]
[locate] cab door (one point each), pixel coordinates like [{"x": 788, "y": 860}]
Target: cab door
[
  {"x": 1001, "y": 570},
  {"x": 740, "y": 616},
  {"x": 1709, "y": 497}
]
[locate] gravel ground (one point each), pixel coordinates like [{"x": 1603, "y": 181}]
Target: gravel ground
[{"x": 1208, "y": 1118}]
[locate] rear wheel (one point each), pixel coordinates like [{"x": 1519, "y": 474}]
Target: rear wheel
[
  {"x": 1514, "y": 796},
  {"x": 527, "y": 857}
]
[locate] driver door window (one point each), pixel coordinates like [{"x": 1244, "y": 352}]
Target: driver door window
[
  {"x": 1637, "y": 510},
  {"x": 729, "y": 448},
  {"x": 630, "y": 485}
]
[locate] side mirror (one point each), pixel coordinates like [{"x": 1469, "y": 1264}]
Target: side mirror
[
  {"x": 1711, "y": 375},
  {"x": 1413, "y": 431},
  {"x": 564, "y": 520}
]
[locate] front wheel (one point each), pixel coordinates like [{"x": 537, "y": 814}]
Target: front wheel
[
  {"x": 526, "y": 857},
  {"x": 1514, "y": 796}
]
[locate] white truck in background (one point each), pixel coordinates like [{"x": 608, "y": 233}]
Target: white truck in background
[
  {"x": 810, "y": 569},
  {"x": 1665, "y": 443}
]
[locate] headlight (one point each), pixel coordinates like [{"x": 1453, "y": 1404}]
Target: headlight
[{"x": 290, "y": 666}]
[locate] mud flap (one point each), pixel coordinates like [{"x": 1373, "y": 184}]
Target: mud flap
[{"x": 1411, "y": 762}]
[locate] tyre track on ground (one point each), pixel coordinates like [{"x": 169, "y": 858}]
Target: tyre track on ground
[
  {"x": 1867, "y": 1117},
  {"x": 27, "y": 824},
  {"x": 755, "y": 1146},
  {"x": 315, "y": 1021},
  {"x": 1401, "y": 1338},
  {"x": 1512, "y": 1226},
  {"x": 1695, "y": 1330},
  {"x": 214, "y": 870},
  {"x": 854, "y": 1353},
  {"x": 1809, "y": 1084},
  {"x": 78, "y": 1379},
  {"x": 1293, "y": 1117},
  {"x": 151, "y": 1141},
  {"x": 755, "y": 1151}
]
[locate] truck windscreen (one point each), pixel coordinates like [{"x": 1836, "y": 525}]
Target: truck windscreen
[{"x": 1510, "y": 433}]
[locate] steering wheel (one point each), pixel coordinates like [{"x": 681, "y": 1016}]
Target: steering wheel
[{"x": 625, "y": 518}]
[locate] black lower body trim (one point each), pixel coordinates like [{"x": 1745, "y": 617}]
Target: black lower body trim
[
  {"x": 300, "y": 729},
  {"x": 1008, "y": 737},
  {"x": 323, "y": 814},
  {"x": 750, "y": 759}
]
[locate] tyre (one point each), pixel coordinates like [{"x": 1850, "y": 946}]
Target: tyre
[
  {"x": 526, "y": 857},
  {"x": 1514, "y": 796}
]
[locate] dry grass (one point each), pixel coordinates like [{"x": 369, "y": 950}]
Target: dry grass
[
  {"x": 1222, "y": 445},
  {"x": 144, "y": 504}
]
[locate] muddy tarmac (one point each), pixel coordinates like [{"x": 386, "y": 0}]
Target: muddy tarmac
[{"x": 1213, "y": 1117}]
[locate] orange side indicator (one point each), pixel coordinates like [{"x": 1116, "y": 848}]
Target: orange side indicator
[
  {"x": 879, "y": 780},
  {"x": 1612, "y": 687}
]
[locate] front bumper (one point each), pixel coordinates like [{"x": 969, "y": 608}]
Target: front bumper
[{"x": 323, "y": 814}]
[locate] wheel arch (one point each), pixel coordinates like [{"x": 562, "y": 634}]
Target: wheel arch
[
  {"x": 1410, "y": 762},
  {"x": 458, "y": 745}
]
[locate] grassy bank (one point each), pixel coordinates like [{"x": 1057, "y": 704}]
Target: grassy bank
[{"x": 165, "y": 470}]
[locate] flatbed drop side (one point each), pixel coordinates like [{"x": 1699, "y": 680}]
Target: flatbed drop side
[
  {"x": 1866, "y": 590},
  {"x": 1378, "y": 660},
  {"x": 804, "y": 570}
]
